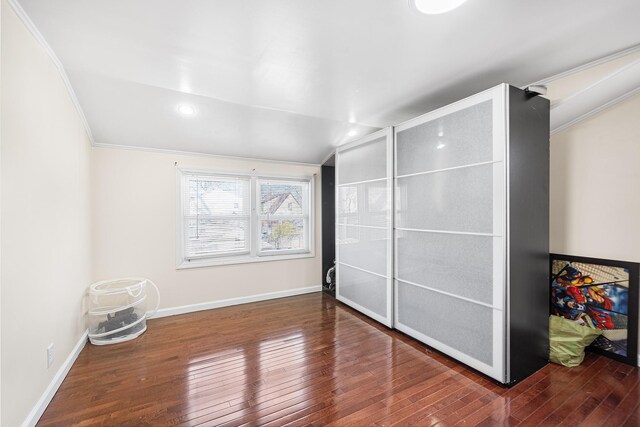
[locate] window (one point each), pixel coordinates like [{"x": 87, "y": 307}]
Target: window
[
  {"x": 283, "y": 216},
  {"x": 228, "y": 219},
  {"x": 216, "y": 216}
]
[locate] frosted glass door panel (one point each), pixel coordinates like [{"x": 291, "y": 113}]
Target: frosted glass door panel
[
  {"x": 364, "y": 204},
  {"x": 449, "y": 212},
  {"x": 365, "y": 289},
  {"x": 363, "y": 163},
  {"x": 461, "y": 325},
  {"x": 364, "y": 226},
  {"x": 459, "y": 264},
  {"x": 364, "y": 247},
  {"x": 452, "y": 200},
  {"x": 460, "y": 138}
]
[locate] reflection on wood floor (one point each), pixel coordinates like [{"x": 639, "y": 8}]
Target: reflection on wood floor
[{"x": 308, "y": 360}]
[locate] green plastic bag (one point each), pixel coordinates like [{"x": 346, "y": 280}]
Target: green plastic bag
[{"x": 568, "y": 340}]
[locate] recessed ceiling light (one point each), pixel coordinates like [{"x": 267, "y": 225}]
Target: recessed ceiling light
[
  {"x": 434, "y": 7},
  {"x": 352, "y": 133},
  {"x": 186, "y": 110},
  {"x": 441, "y": 145}
]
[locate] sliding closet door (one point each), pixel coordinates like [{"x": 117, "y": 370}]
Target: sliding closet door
[
  {"x": 364, "y": 188},
  {"x": 450, "y": 230}
]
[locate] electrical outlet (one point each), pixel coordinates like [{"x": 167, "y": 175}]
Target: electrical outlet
[{"x": 51, "y": 357}]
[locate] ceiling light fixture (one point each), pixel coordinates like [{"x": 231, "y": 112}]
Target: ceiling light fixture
[
  {"x": 441, "y": 145},
  {"x": 186, "y": 110},
  {"x": 352, "y": 133},
  {"x": 435, "y": 7}
]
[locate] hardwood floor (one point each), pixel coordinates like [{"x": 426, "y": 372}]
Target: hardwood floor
[{"x": 309, "y": 360}]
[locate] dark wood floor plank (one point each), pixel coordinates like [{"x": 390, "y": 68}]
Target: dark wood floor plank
[
  {"x": 309, "y": 360},
  {"x": 626, "y": 407},
  {"x": 560, "y": 388},
  {"x": 619, "y": 388},
  {"x": 634, "y": 417}
]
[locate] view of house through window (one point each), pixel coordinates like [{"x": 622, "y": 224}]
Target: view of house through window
[
  {"x": 220, "y": 219},
  {"x": 283, "y": 215}
]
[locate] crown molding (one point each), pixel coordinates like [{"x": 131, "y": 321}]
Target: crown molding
[
  {"x": 198, "y": 154},
  {"x": 596, "y": 111},
  {"x": 28, "y": 23},
  {"x": 610, "y": 90},
  {"x": 584, "y": 67}
]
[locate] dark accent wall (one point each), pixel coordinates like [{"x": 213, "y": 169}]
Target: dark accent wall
[
  {"x": 529, "y": 232},
  {"x": 328, "y": 220}
]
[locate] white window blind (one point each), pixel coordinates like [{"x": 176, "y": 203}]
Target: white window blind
[
  {"x": 216, "y": 215},
  {"x": 283, "y": 216}
]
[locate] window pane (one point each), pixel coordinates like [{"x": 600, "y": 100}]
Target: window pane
[
  {"x": 282, "y": 235},
  {"x": 283, "y": 197},
  {"x": 216, "y": 236},
  {"x": 209, "y": 195}
]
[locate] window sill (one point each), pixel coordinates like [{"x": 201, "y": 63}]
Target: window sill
[{"x": 213, "y": 262}]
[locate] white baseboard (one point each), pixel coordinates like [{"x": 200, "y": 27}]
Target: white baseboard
[
  {"x": 183, "y": 309},
  {"x": 45, "y": 399}
]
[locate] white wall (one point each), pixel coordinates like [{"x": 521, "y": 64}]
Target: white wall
[
  {"x": 45, "y": 219},
  {"x": 134, "y": 229},
  {"x": 595, "y": 185}
]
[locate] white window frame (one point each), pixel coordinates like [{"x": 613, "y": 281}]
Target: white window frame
[
  {"x": 254, "y": 254},
  {"x": 247, "y": 249},
  {"x": 305, "y": 217}
]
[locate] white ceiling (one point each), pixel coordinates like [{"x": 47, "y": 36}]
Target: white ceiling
[{"x": 288, "y": 79}]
